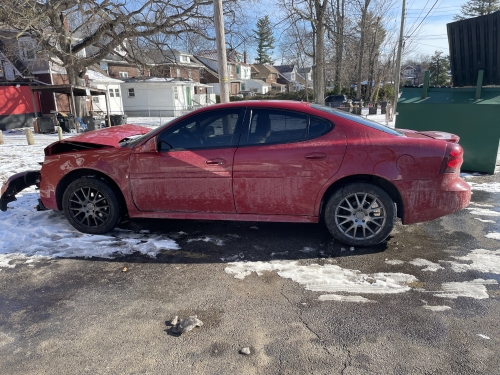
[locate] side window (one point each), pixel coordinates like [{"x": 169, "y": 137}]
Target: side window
[
  {"x": 274, "y": 126},
  {"x": 207, "y": 130},
  {"x": 318, "y": 127}
]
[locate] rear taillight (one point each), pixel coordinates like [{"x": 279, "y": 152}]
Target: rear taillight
[{"x": 453, "y": 158}]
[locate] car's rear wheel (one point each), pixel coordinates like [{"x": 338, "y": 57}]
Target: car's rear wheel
[
  {"x": 360, "y": 214},
  {"x": 91, "y": 206}
]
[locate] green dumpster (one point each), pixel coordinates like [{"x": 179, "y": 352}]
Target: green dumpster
[{"x": 455, "y": 110}]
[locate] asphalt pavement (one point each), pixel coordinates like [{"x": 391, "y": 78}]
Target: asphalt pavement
[{"x": 102, "y": 316}]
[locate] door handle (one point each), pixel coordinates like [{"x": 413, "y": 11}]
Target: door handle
[
  {"x": 217, "y": 161},
  {"x": 316, "y": 156}
]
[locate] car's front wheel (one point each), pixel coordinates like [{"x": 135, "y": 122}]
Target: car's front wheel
[
  {"x": 360, "y": 214},
  {"x": 91, "y": 206}
]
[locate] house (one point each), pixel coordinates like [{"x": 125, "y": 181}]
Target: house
[
  {"x": 162, "y": 97},
  {"x": 289, "y": 76},
  {"x": 306, "y": 73},
  {"x": 268, "y": 74},
  {"x": 411, "y": 75},
  {"x": 255, "y": 85},
  {"x": 176, "y": 64},
  {"x": 238, "y": 70},
  {"x": 112, "y": 86},
  {"x": 116, "y": 67}
]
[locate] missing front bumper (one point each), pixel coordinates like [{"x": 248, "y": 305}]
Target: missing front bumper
[{"x": 16, "y": 184}]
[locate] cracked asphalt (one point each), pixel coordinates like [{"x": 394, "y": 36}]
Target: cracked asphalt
[{"x": 89, "y": 316}]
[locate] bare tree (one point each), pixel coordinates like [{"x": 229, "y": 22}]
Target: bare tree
[
  {"x": 63, "y": 29},
  {"x": 314, "y": 12}
]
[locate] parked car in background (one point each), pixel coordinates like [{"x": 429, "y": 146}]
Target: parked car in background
[
  {"x": 337, "y": 101},
  {"x": 283, "y": 161}
]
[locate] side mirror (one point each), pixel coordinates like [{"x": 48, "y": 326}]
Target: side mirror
[{"x": 149, "y": 146}]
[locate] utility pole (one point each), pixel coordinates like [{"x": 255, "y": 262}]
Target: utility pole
[
  {"x": 221, "y": 51},
  {"x": 397, "y": 71}
]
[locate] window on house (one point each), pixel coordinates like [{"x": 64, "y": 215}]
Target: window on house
[
  {"x": 111, "y": 93},
  {"x": 176, "y": 92},
  {"x": 123, "y": 74},
  {"x": 243, "y": 86},
  {"x": 131, "y": 93},
  {"x": 190, "y": 74},
  {"x": 27, "y": 49},
  {"x": 117, "y": 93},
  {"x": 184, "y": 59},
  {"x": 95, "y": 99},
  {"x": 178, "y": 71}
]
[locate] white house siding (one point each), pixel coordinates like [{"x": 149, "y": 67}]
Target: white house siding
[
  {"x": 254, "y": 85},
  {"x": 103, "y": 82},
  {"x": 115, "y": 102},
  {"x": 155, "y": 99}
]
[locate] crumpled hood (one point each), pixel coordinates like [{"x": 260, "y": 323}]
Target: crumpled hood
[{"x": 108, "y": 136}]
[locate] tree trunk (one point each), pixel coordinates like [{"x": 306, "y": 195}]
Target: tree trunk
[
  {"x": 339, "y": 44},
  {"x": 319, "y": 68},
  {"x": 362, "y": 48}
]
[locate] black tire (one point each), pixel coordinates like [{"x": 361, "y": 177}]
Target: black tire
[
  {"x": 91, "y": 206},
  {"x": 360, "y": 214}
]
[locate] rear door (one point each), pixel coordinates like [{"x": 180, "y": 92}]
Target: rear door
[{"x": 280, "y": 169}]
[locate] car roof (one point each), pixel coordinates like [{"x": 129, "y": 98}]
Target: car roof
[{"x": 277, "y": 104}]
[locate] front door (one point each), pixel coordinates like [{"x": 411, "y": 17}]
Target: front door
[{"x": 191, "y": 171}]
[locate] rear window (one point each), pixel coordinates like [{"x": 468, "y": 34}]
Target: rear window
[{"x": 358, "y": 119}]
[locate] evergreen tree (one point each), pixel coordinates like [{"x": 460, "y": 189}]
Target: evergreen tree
[
  {"x": 265, "y": 41},
  {"x": 475, "y": 8},
  {"x": 439, "y": 68}
]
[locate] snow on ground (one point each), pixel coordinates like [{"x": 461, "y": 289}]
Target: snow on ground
[
  {"x": 27, "y": 235},
  {"x": 473, "y": 289},
  {"x": 328, "y": 278},
  {"x": 492, "y": 187},
  {"x": 487, "y": 261}
]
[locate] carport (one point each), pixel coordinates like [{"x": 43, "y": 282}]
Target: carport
[{"x": 72, "y": 91}]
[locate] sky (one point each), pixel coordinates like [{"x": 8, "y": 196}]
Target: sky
[{"x": 425, "y": 23}]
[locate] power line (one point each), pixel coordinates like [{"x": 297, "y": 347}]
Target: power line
[{"x": 414, "y": 30}]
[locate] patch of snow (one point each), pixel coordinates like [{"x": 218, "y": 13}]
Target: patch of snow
[
  {"x": 437, "y": 308},
  {"x": 26, "y": 232},
  {"x": 492, "y": 187},
  {"x": 483, "y": 336},
  {"x": 481, "y": 260},
  {"x": 328, "y": 278},
  {"x": 493, "y": 235},
  {"x": 150, "y": 122},
  {"x": 233, "y": 258},
  {"x": 482, "y": 211},
  {"x": 429, "y": 266},
  {"x": 339, "y": 298},
  {"x": 473, "y": 289},
  {"x": 307, "y": 249},
  {"x": 471, "y": 175},
  {"x": 481, "y": 204},
  {"x": 394, "y": 262},
  {"x": 485, "y": 221},
  {"x": 214, "y": 240}
]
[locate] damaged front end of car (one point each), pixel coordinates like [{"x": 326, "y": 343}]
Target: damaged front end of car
[{"x": 16, "y": 184}]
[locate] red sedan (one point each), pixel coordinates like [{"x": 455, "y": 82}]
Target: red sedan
[{"x": 254, "y": 161}]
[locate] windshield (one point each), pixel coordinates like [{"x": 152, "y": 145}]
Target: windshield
[{"x": 358, "y": 119}]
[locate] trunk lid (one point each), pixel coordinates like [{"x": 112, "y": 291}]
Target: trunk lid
[{"x": 442, "y": 136}]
